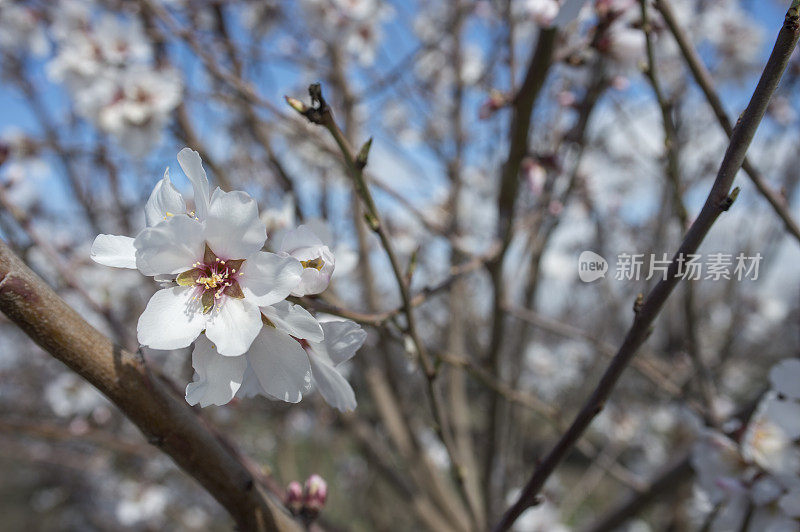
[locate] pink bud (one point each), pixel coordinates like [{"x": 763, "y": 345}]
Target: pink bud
[
  {"x": 493, "y": 103},
  {"x": 620, "y": 83},
  {"x": 535, "y": 175},
  {"x": 555, "y": 207},
  {"x": 294, "y": 497},
  {"x": 316, "y": 492},
  {"x": 566, "y": 98}
]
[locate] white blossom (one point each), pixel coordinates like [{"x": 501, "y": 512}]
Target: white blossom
[
  {"x": 214, "y": 256},
  {"x": 316, "y": 257}
]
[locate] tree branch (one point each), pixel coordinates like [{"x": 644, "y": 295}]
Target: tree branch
[
  {"x": 166, "y": 421},
  {"x": 718, "y": 201},
  {"x": 321, "y": 114},
  {"x": 706, "y": 84}
]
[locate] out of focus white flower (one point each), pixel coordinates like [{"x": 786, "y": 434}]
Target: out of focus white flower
[
  {"x": 541, "y": 12},
  {"x": 139, "y": 108},
  {"x": 138, "y": 504},
  {"x": 21, "y": 29},
  {"x": 770, "y": 437},
  {"x": 356, "y": 23},
  {"x": 730, "y": 29},
  {"x": 69, "y": 395},
  {"x": 764, "y": 470},
  {"x": 719, "y": 466},
  {"x": 785, "y": 378},
  {"x": 107, "y": 66}
]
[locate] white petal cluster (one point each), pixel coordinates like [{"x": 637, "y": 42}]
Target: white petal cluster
[
  {"x": 222, "y": 292},
  {"x": 20, "y": 29},
  {"x": 106, "y": 63},
  {"x": 541, "y": 12},
  {"x": 355, "y": 23},
  {"x": 762, "y": 471}
]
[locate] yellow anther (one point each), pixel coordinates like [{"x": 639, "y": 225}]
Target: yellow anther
[
  {"x": 211, "y": 282},
  {"x": 317, "y": 263}
]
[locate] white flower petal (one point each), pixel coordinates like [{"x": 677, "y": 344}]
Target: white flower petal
[
  {"x": 113, "y": 250},
  {"x": 313, "y": 281},
  {"x": 785, "y": 414},
  {"x": 250, "y": 385},
  {"x": 170, "y": 247},
  {"x": 268, "y": 278},
  {"x": 295, "y": 320},
  {"x": 342, "y": 339},
  {"x": 280, "y": 365},
  {"x": 334, "y": 388},
  {"x": 233, "y": 228},
  {"x": 172, "y": 319},
  {"x": 785, "y": 378},
  {"x": 568, "y": 12},
  {"x": 165, "y": 201},
  {"x": 233, "y": 325},
  {"x": 301, "y": 243},
  {"x": 790, "y": 503},
  {"x": 217, "y": 378},
  {"x": 193, "y": 168}
]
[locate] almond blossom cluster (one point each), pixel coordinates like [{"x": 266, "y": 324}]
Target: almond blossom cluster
[
  {"x": 222, "y": 292},
  {"x": 357, "y": 24},
  {"x": 106, "y": 63},
  {"x": 756, "y": 480}
]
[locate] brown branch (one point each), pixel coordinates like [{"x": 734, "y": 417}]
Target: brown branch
[
  {"x": 719, "y": 200},
  {"x": 379, "y": 457},
  {"x": 380, "y": 318},
  {"x": 706, "y": 84},
  {"x": 523, "y": 104},
  {"x": 702, "y": 375},
  {"x": 321, "y": 114},
  {"x": 676, "y": 473},
  {"x": 166, "y": 421}
]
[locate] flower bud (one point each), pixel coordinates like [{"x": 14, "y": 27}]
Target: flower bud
[
  {"x": 493, "y": 103},
  {"x": 296, "y": 104},
  {"x": 315, "y": 494},
  {"x": 294, "y": 497}
]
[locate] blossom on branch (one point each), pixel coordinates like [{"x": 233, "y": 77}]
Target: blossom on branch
[{"x": 216, "y": 280}]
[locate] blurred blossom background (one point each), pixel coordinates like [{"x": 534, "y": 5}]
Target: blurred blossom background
[{"x": 98, "y": 97}]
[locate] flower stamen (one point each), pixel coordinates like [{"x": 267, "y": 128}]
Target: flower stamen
[{"x": 214, "y": 278}]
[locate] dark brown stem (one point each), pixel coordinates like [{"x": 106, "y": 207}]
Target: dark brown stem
[
  {"x": 702, "y": 374},
  {"x": 679, "y": 471},
  {"x": 523, "y": 105},
  {"x": 322, "y": 115},
  {"x": 718, "y": 201},
  {"x": 166, "y": 421},
  {"x": 706, "y": 84}
]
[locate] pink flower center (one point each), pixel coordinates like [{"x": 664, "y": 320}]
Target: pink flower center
[{"x": 213, "y": 277}]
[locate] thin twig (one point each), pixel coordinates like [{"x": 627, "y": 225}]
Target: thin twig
[
  {"x": 321, "y": 114},
  {"x": 702, "y": 374},
  {"x": 719, "y": 200},
  {"x": 706, "y": 84}
]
